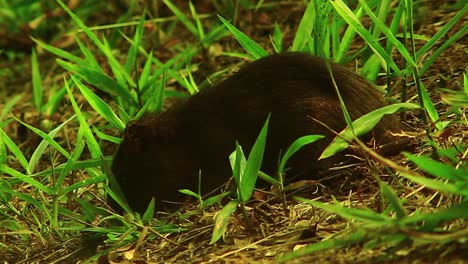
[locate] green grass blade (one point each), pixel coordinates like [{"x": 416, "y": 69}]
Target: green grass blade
[
  {"x": 361, "y": 126},
  {"x": 296, "y": 146},
  {"x": 3, "y": 150},
  {"x": 388, "y": 33},
  {"x": 277, "y": 39},
  {"x": 182, "y": 17},
  {"x": 439, "y": 169},
  {"x": 200, "y": 31},
  {"x": 222, "y": 219},
  {"x": 100, "y": 80},
  {"x": 90, "y": 61},
  {"x": 9, "y": 105},
  {"x": 430, "y": 108},
  {"x": 439, "y": 185},
  {"x": 432, "y": 220},
  {"x": 305, "y": 28},
  {"x": 58, "y": 52},
  {"x": 54, "y": 101},
  {"x": 93, "y": 146},
  {"x": 14, "y": 149},
  {"x": 343, "y": 10},
  {"x": 120, "y": 74},
  {"x": 342, "y": 241},
  {"x": 26, "y": 179},
  {"x": 395, "y": 203},
  {"x": 78, "y": 165},
  {"x": 145, "y": 73},
  {"x": 443, "y": 47},
  {"x": 364, "y": 215},
  {"x": 442, "y": 32},
  {"x": 347, "y": 39},
  {"x": 100, "y": 106},
  {"x": 90, "y": 181},
  {"x": 133, "y": 52},
  {"x": 238, "y": 162},
  {"x": 39, "y": 151},
  {"x": 36, "y": 82},
  {"x": 247, "y": 43},
  {"x": 254, "y": 162},
  {"x": 75, "y": 155},
  {"x": 46, "y": 137}
]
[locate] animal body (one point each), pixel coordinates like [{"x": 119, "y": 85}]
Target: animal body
[{"x": 162, "y": 153}]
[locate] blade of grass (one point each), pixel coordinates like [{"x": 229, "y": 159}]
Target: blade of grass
[
  {"x": 247, "y": 43},
  {"x": 254, "y": 162},
  {"x": 222, "y": 219},
  {"x": 14, "y": 149},
  {"x": 119, "y": 72},
  {"x": 93, "y": 146},
  {"x": 343, "y": 10},
  {"x": 305, "y": 28},
  {"x": 100, "y": 105},
  {"x": 39, "y": 151},
  {"x": 132, "y": 53},
  {"x": 36, "y": 82},
  {"x": 361, "y": 126},
  {"x": 296, "y": 146}
]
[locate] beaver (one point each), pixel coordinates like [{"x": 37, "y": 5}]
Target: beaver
[{"x": 164, "y": 152}]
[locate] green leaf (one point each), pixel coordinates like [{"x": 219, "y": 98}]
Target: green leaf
[
  {"x": 145, "y": 73},
  {"x": 9, "y": 105},
  {"x": 69, "y": 164},
  {"x": 149, "y": 212},
  {"x": 432, "y": 220},
  {"x": 361, "y": 126},
  {"x": 119, "y": 72},
  {"x": 430, "y": 108},
  {"x": 305, "y": 28},
  {"x": 100, "y": 105},
  {"x": 46, "y": 137},
  {"x": 36, "y": 82},
  {"x": 438, "y": 169},
  {"x": 90, "y": 61},
  {"x": 252, "y": 167},
  {"x": 200, "y": 31},
  {"x": 395, "y": 203},
  {"x": 364, "y": 215},
  {"x": 14, "y": 149},
  {"x": 3, "y": 150},
  {"x": 221, "y": 220},
  {"x": 238, "y": 162},
  {"x": 100, "y": 80},
  {"x": 39, "y": 151},
  {"x": 93, "y": 146},
  {"x": 296, "y": 146},
  {"x": 183, "y": 18},
  {"x": 26, "y": 179},
  {"x": 214, "y": 199},
  {"x": 439, "y": 185},
  {"x": 190, "y": 193},
  {"x": 334, "y": 243},
  {"x": 58, "y": 52},
  {"x": 379, "y": 24},
  {"x": 247, "y": 43},
  {"x": 343, "y": 10},
  {"x": 442, "y": 32},
  {"x": 132, "y": 53},
  {"x": 77, "y": 185},
  {"x": 277, "y": 39}
]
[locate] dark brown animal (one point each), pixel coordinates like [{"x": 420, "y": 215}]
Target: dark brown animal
[{"x": 162, "y": 153}]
